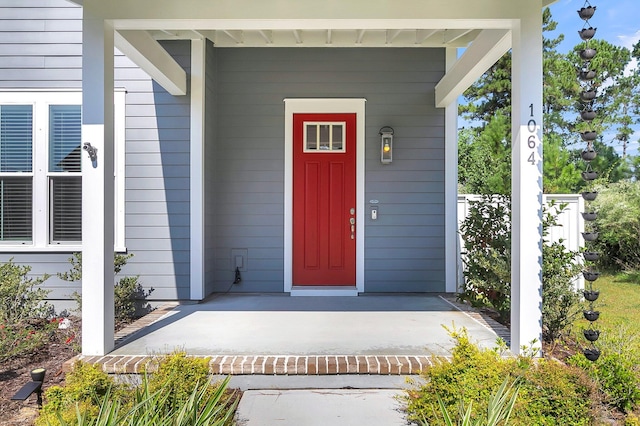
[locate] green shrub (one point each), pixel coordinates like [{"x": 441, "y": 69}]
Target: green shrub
[
  {"x": 129, "y": 294},
  {"x": 23, "y": 312},
  {"x": 550, "y": 393},
  {"x": 177, "y": 394},
  {"x": 618, "y": 224},
  {"x": 177, "y": 375},
  {"x": 21, "y": 298},
  {"x": 487, "y": 254},
  {"x": 617, "y": 371},
  {"x": 560, "y": 300},
  {"x": 553, "y": 393},
  {"x": 499, "y": 409},
  {"x": 84, "y": 387}
]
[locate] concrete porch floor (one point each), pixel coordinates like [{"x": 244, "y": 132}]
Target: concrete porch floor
[{"x": 275, "y": 334}]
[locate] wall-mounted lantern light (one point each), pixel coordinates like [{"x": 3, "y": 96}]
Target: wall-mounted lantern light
[{"x": 386, "y": 144}]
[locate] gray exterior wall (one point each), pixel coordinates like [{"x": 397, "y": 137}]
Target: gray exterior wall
[
  {"x": 404, "y": 248},
  {"x": 40, "y": 48}
]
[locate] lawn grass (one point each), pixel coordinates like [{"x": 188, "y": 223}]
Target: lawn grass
[{"x": 619, "y": 305}]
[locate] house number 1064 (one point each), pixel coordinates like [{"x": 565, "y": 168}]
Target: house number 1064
[{"x": 531, "y": 140}]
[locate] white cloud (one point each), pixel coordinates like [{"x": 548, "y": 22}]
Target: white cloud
[{"x": 628, "y": 40}]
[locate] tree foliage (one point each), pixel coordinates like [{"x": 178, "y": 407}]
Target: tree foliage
[{"x": 485, "y": 143}]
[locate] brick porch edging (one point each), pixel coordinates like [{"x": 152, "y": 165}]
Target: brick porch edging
[{"x": 274, "y": 365}]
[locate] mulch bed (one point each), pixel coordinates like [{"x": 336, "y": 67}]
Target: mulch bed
[{"x": 16, "y": 372}]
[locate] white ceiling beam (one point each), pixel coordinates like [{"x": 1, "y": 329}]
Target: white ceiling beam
[
  {"x": 297, "y": 34},
  {"x": 423, "y": 35},
  {"x": 267, "y": 36},
  {"x": 391, "y": 35},
  {"x": 176, "y": 35},
  {"x": 452, "y": 35},
  {"x": 486, "y": 49},
  {"x": 208, "y": 34},
  {"x": 235, "y": 35},
  {"x": 329, "y": 36},
  {"x": 360, "y": 36},
  {"x": 147, "y": 53}
]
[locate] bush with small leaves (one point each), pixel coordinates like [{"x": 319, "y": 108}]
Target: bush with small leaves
[
  {"x": 129, "y": 295},
  {"x": 617, "y": 371},
  {"x": 178, "y": 393},
  {"x": 23, "y": 312},
  {"x": 84, "y": 387},
  {"x": 177, "y": 374},
  {"x": 549, "y": 392}
]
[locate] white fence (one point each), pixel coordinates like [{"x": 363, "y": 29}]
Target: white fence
[{"x": 570, "y": 224}]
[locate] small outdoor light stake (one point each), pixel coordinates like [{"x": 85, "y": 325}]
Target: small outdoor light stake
[
  {"x": 35, "y": 386},
  {"x": 386, "y": 144}
]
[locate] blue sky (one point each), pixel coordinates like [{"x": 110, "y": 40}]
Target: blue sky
[{"x": 617, "y": 22}]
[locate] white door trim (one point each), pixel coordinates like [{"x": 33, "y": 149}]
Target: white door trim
[{"x": 293, "y": 106}]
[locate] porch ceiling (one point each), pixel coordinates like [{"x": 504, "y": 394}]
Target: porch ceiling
[{"x": 354, "y": 37}]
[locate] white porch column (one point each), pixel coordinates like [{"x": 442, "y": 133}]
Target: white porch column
[
  {"x": 97, "y": 187},
  {"x": 197, "y": 157},
  {"x": 526, "y": 215},
  {"x": 451, "y": 185}
]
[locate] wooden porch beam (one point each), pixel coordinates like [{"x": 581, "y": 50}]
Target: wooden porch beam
[
  {"x": 477, "y": 58},
  {"x": 147, "y": 53}
]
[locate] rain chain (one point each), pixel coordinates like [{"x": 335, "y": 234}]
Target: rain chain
[{"x": 587, "y": 97}]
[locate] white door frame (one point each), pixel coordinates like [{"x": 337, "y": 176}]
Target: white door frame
[{"x": 320, "y": 106}]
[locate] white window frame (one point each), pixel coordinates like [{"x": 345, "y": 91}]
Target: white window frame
[{"x": 41, "y": 100}]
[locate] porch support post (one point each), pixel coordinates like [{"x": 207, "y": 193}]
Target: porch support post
[
  {"x": 97, "y": 186},
  {"x": 196, "y": 180},
  {"x": 526, "y": 191},
  {"x": 451, "y": 185}
]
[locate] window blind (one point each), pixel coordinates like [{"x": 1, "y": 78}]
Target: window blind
[
  {"x": 66, "y": 208},
  {"x": 16, "y": 138},
  {"x": 64, "y": 157},
  {"x": 15, "y": 209},
  {"x": 64, "y": 138},
  {"x": 16, "y": 190}
]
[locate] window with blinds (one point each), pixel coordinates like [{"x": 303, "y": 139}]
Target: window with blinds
[
  {"x": 16, "y": 186},
  {"x": 41, "y": 170},
  {"x": 65, "y": 181}
]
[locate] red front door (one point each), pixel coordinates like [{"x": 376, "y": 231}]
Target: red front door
[{"x": 324, "y": 199}]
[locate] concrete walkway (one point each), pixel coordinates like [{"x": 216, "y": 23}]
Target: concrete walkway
[{"x": 320, "y": 407}]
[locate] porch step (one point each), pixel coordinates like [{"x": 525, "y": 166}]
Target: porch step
[{"x": 274, "y": 365}]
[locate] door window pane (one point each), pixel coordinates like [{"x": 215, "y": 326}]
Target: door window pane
[
  {"x": 312, "y": 137},
  {"x": 324, "y": 137},
  {"x": 336, "y": 137}
]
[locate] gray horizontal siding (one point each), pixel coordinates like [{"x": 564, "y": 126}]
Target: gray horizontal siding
[
  {"x": 40, "y": 44},
  {"x": 399, "y": 87},
  {"x": 41, "y": 47},
  {"x": 157, "y": 178}
]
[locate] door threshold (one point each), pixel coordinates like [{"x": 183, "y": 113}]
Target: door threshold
[{"x": 319, "y": 290}]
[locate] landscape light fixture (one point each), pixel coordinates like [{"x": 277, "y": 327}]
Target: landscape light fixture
[{"x": 34, "y": 386}]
